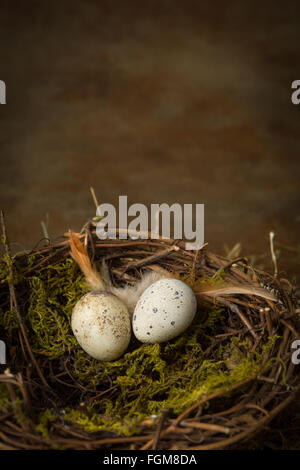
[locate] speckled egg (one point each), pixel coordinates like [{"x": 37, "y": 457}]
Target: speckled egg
[
  {"x": 101, "y": 324},
  {"x": 164, "y": 310}
]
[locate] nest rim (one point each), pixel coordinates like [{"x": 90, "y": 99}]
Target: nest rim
[{"x": 267, "y": 395}]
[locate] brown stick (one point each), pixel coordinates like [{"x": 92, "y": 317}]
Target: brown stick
[
  {"x": 249, "y": 432},
  {"x": 15, "y": 303},
  {"x": 206, "y": 426},
  {"x": 159, "y": 428},
  {"x": 236, "y": 310},
  {"x": 192, "y": 408},
  {"x": 151, "y": 259},
  {"x": 229, "y": 264}
]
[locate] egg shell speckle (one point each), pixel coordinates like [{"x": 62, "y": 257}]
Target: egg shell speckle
[
  {"x": 164, "y": 311},
  {"x": 101, "y": 324}
]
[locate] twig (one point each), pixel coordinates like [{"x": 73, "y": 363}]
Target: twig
[
  {"x": 266, "y": 312},
  {"x": 248, "y": 432},
  {"x": 45, "y": 230},
  {"x": 229, "y": 264},
  {"x": 236, "y": 310},
  {"x": 152, "y": 258},
  {"x": 206, "y": 426},
  {"x": 193, "y": 272},
  {"x": 94, "y": 197},
  {"x": 159, "y": 428},
  {"x": 203, "y": 400},
  {"x": 15, "y": 303},
  {"x": 272, "y": 235},
  {"x": 26, "y": 396},
  {"x": 290, "y": 327},
  {"x": 235, "y": 251},
  {"x": 257, "y": 407}
]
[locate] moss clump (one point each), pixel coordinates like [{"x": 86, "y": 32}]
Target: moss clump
[
  {"x": 50, "y": 295},
  {"x": 5, "y": 403},
  {"x": 154, "y": 377},
  {"x": 117, "y": 395}
]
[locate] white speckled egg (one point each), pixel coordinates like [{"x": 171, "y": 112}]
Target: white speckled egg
[
  {"x": 164, "y": 310},
  {"x": 101, "y": 324}
]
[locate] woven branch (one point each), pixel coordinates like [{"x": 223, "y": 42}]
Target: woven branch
[{"x": 234, "y": 415}]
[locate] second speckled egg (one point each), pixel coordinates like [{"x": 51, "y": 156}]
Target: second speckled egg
[{"x": 164, "y": 311}]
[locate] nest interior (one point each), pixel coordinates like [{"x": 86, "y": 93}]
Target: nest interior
[{"x": 212, "y": 387}]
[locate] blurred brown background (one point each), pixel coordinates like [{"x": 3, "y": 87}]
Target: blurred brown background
[{"x": 165, "y": 101}]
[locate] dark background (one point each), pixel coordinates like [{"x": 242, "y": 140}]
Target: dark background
[{"x": 164, "y": 101}]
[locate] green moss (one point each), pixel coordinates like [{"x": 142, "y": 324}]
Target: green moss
[
  {"x": 144, "y": 381},
  {"x": 51, "y": 294},
  {"x": 5, "y": 404},
  {"x": 195, "y": 283},
  {"x": 151, "y": 378},
  {"x": 16, "y": 407},
  {"x": 45, "y": 419}
]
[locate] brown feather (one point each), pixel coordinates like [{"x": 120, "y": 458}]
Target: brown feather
[
  {"x": 234, "y": 290},
  {"x": 80, "y": 255}
]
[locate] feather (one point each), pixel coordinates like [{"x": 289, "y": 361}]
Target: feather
[
  {"x": 131, "y": 294},
  {"x": 233, "y": 290},
  {"x": 105, "y": 275},
  {"x": 80, "y": 255}
]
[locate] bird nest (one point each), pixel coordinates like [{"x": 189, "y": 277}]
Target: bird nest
[{"x": 214, "y": 386}]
